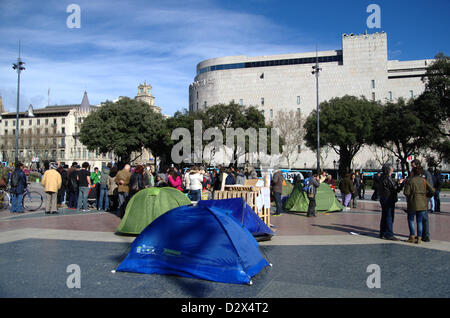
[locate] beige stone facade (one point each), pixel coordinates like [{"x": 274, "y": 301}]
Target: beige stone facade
[{"x": 284, "y": 82}]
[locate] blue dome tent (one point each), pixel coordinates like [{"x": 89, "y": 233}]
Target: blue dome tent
[
  {"x": 244, "y": 214},
  {"x": 196, "y": 242}
]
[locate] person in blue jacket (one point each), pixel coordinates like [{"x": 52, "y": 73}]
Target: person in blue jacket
[{"x": 18, "y": 186}]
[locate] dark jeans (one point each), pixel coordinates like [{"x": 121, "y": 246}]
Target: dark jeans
[
  {"x": 426, "y": 226},
  {"x": 437, "y": 200},
  {"x": 73, "y": 200},
  {"x": 387, "y": 217},
  {"x": 195, "y": 195},
  {"x": 278, "y": 202},
  {"x": 16, "y": 202},
  {"x": 103, "y": 197},
  {"x": 311, "y": 206},
  {"x": 123, "y": 200},
  {"x": 419, "y": 218}
]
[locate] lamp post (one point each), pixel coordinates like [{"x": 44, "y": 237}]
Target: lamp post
[
  {"x": 316, "y": 71},
  {"x": 19, "y": 67}
]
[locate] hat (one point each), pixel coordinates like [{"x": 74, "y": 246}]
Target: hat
[{"x": 53, "y": 165}]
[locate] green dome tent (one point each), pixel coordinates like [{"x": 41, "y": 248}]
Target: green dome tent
[
  {"x": 148, "y": 204},
  {"x": 325, "y": 200}
]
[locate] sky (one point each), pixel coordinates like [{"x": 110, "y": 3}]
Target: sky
[{"x": 121, "y": 44}]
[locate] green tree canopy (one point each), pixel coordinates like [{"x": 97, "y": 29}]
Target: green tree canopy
[
  {"x": 346, "y": 124},
  {"x": 124, "y": 127}
]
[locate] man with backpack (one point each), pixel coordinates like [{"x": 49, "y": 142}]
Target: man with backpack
[
  {"x": 313, "y": 184},
  {"x": 18, "y": 185}
]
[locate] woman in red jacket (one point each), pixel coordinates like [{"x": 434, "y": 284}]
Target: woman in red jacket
[{"x": 175, "y": 180}]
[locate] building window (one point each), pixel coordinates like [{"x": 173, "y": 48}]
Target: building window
[
  {"x": 63, "y": 121},
  {"x": 241, "y": 102},
  {"x": 38, "y": 122},
  {"x": 298, "y": 100},
  {"x": 271, "y": 113},
  {"x": 54, "y": 121},
  {"x": 411, "y": 94},
  {"x": 298, "y": 110},
  {"x": 262, "y": 101},
  {"x": 63, "y": 130},
  {"x": 6, "y": 131},
  {"x": 21, "y": 122},
  {"x": 14, "y": 122},
  {"x": 373, "y": 84},
  {"x": 30, "y": 122},
  {"x": 6, "y": 123},
  {"x": 63, "y": 142},
  {"x": 63, "y": 154},
  {"x": 373, "y": 96},
  {"x": 390, "y": 96},
  {"x": 197, "y": 94},
  {"x": 46, "y": 121}
]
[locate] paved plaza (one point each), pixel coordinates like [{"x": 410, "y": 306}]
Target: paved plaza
[{"x": 326, "y": 256}]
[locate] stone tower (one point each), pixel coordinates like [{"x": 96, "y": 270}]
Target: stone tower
[{"x": 145, "y": 94}]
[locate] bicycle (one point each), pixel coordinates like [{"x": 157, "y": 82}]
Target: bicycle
[{"x": 31, "y": 201}]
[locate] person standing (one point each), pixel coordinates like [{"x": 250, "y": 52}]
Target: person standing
[
  {"x": 356, "y": 185},
  {"x": 277, "y": 188},
  {"x": 376, "y": 183},
  {"x": 51, "y": 181},
  {"x": 195, "y": 184},
  {"x": 95, "y": 181},
  {"x": 18, "y": 186},
  {"x": 388, "y": 191},
  {"x": 112, "y": 190},
  {"x": 136, "y": 181},
  {"x": 417, "y": 191},
  {"x": 103, "y": 200},
  {"x": 175, "y": 180},
  {"x": 425, "y": 220},
  {"x": 122, "y": 179},
  {"x": 362, "y": 188},
  {"x": 84, "y": 183},
  {"x": 347, "y": 189},
  {"x": 72, "y": 186},
  {"x": 62, "y": 190},
  {"x": 313, "y": 184},
  {"x": 437, "y": 190},
  {"x": 240, "y": 177}
]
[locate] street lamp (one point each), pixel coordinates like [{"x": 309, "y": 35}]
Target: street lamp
[
  {"x": 19, "y": 67},
  {"x": 316, "y": 71}
]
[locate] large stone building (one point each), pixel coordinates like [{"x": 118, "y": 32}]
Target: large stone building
[
  {"x": 52, "y": 133},
  {"x": 285, "y": 82}
]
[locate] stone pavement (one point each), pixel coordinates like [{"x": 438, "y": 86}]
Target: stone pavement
[{"x": 326, "y": 256}]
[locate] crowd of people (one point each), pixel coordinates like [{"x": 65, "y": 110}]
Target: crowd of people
[{"x": 109, "y": 189}]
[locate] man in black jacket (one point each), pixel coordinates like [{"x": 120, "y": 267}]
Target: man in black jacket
[{"x": 388, "y": 191}]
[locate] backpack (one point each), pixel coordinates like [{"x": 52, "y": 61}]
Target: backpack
[
  {"x": 310, "y": 191},
  {"x": 14, "y": 179}
]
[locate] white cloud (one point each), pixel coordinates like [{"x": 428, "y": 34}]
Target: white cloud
[{"x": 121, "y": 45}]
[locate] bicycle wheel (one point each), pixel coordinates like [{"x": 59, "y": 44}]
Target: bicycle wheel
[
  {"x": 4, "y": 200},
  {"x": 32, "y": 200}
]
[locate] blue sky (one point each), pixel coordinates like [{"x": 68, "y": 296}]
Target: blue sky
[{"x": 123, "y": 43}]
